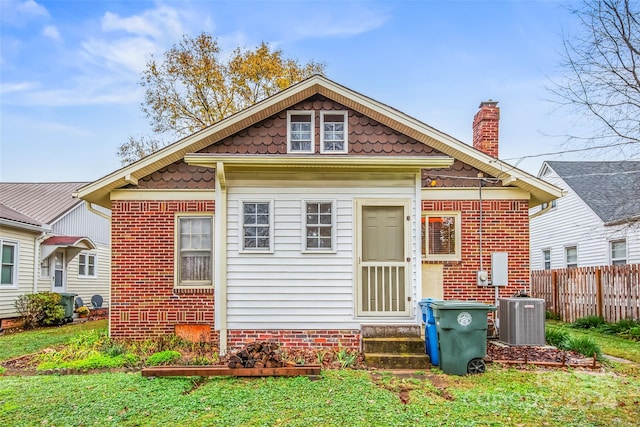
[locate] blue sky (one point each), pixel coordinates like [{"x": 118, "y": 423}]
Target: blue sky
[{"x": 69, "y": 70}]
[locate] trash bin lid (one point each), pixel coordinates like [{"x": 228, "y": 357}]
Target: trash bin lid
[
  {"x": 67, "y": 294},
  {"x": 462, "y": 305}
]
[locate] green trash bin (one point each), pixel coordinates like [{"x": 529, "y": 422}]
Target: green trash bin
[
  {"x": 67, "y": 301},
  {"x": 462, "y": 335}
]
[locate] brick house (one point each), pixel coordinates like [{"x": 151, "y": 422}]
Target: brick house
[{"x": 308, "y": 215}]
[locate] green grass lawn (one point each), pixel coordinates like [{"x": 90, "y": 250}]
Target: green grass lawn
[
  {"x": 18, "y": 344},
  {"x": 500, "y": 397}
]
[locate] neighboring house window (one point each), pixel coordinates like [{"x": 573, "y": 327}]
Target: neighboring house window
[
  {"x": 319, "y": 226},
  {"x": 45, "y": 269},
  {"x": 618, "y": 250},
  {"x": 9, "y": 270},
  {"x": 87, "y": 265},
  {"x": 571, "y": 256},
  {"x": 546, "y": 259},
  {"x": 441, "y": 234},
  {"x": 300, "y": 125},
  {"x": 333, "y": 132},
  {"x": 256, "y": 226},
  {"x": 195, "y": 250}
]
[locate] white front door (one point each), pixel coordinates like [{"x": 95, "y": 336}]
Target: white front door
[
  {"x": 383, "y": 258},
  {"x": 59, "y": 283}
]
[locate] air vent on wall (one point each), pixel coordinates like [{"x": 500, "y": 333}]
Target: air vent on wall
[{"x": 522, "y": 321}]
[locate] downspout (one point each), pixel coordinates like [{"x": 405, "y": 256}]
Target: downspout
[
  {"x": 91, "y": 209},
  {"x": 220, "y": 303},
  {"x": 36, "y": 259}
]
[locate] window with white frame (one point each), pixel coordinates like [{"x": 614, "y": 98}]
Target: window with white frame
[
  {"x": 194, "y": 261},
  {"x": 319, "y": 226},
  {"x": 87, "y": 265},
  {"x": 257, "y": 226},
  {"x": 333, "y": 132},
  {"x": 618, "y": 251},
  {"x": 300, "y": 131},
  {"x": 546, "y": 259},
  {"x": 45, "y": 268},
  {"x": 571, "y": 256},
  {"x": 441, "y": 236},
  {"x": 9, "y": 269}
]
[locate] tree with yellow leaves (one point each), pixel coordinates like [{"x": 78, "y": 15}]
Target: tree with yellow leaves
[{"x": 194, "y": 87}]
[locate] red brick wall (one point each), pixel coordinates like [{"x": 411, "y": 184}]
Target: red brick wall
[
  {"x": 349, "y": 339},
  {"x": 505, "y": 228},
  {"x": 143, "y": 301}
]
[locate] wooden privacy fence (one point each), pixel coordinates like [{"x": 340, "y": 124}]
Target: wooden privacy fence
[{"x": 610, "y": 291}]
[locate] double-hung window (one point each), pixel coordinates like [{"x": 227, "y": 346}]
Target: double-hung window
[
  {"x": 571, "y": 256},
  {"x": 9, "y": 269},
  {"x": 546, "y": 259},
  {"x": 194, "y": 266},
  {"x": 618, "y": 251},
  {"x": 319, "y": 226},
  {"x": 300, "y": 131},
  {"x": 442, "y": 236},
  {"x": 87, "y": 265},
  {"x": 257, "y": 227},
  {"x": 333, "y": 132}
]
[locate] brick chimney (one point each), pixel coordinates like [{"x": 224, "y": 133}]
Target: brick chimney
[{"x": 485, "y": 128}]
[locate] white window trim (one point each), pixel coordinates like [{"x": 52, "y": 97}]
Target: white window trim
[
  {"x": 566, "y": 261},
  {"x": 242, "y": 249},
  {"x": 345, "y": 150},
  {"x": 191, "y": 284},
  {"x": 457, "y": 256},
  {"x": 95, "y": 265},
  {"x": 313, "y": 132},
  {"x": 330, "y": 250},
  {"x": 16, "y": 262},
  {"x": 626, "y": 251}
]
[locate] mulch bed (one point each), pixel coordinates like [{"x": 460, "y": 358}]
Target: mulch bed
[{"x": 546, "y": 356}]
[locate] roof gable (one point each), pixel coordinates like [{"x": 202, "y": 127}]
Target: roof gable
[
  {"x": 98, "y": 191},
  {"x": 610, "y": 189},
  {"x": 42, "y": 202}
]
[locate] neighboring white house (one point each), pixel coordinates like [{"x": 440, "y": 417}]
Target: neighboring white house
[
  {"x": 597, "y": 222},
  {"x": 51, "y": 242}
]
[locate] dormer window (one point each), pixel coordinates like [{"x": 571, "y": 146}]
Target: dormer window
[
  {"x": 333, "y": 132},
  {"x": 300, "y": 132}
]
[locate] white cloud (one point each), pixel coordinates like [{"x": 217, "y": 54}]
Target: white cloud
[
  {"x": 18, "y": 13},
  {"x": 154, "y": 23},
  {"x": 6, "y": 88},
  {"x": 335, "y": 23},
  {"x": 129, "y": 53},
  {"x": 51, "y": 32}
]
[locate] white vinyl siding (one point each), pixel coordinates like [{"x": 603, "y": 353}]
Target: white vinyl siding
[
  {"x": 573, "y": 223},
  {"x": 24, "y": 269},
  {"x": 86, "y": 287},
  {"x": 291, "y": 288}
]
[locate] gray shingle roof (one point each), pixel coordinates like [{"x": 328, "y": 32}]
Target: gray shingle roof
[
  {"x": 610, "y": 189},
  {"x": 43, "y": 202}
]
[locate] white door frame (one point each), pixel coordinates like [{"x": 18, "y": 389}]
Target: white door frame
[
  {"x": 62, "y": 269},
  {"x": 359, "y": 204}
]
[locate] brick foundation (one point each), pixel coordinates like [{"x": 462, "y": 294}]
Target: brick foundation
[{"x": 320, "y": 339}]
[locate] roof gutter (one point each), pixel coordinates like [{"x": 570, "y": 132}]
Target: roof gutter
[{"x": 24, "y": 226}]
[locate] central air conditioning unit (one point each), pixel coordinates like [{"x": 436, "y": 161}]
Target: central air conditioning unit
[{"x": 522, "y": 321}]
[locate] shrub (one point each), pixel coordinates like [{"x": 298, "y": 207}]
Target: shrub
[
  {"x": 589, "y": 322},
  {"x": 41, "y": 309},
  {"x": 584, "y": 345},
  {"x": 163, "y": 357},
  {"x": 556, "y": 337},
  {"x": 552, "y": 316},
  {"x": 622, "y": 328}
]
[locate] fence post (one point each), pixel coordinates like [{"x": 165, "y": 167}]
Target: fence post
[
  {"x": 599, "y": 299},
  {"x": 554, "y": 287}
]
